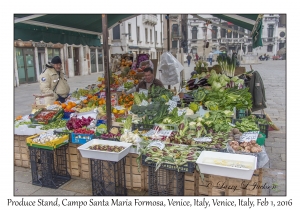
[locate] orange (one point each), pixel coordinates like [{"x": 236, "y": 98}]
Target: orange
[
  {"x": 57, "y": 102},
  {"x": 69, "y": 107},
  {"x": 63, "y": 105},
  {"x": 73, "y": 104},
  {"x": 85, "y": 101}
]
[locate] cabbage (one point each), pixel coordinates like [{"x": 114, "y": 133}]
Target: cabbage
[
  {"x": 216, "y": 86},
  {"x": 234, "y": 79},
  {"x": 213, "y": 71},
  {"x": 212, "y": 78},
  {"x": 239, "y": 81},
  {"x": 223, "y": 82},
  {"x": 203, "y": 74}
]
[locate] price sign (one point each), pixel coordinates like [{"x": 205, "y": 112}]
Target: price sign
[
  {"x": 166, "y": 133},
  {"x": 175, "y": 98},
  {"x": 130, "y": 80},
  {"x": 203, "y": 139},
  {"x": 118, "y": 107},
  {"x": 158, "y": 144},
  {"x": 149, "y": 133},
  {"x": 144, "y": 103},
  {"x": 172, "y": 105},
  {"x": 248, "y": 136},
  {"x": 181, "y": 112},
  {"x": 143, "y": 91},
  {"x": 196, "y": 80}
]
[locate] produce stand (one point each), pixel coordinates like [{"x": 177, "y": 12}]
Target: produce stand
[{"x": 163, "y": 133}]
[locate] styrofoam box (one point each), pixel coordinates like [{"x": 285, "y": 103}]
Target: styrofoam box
[
  {"x": 240, "y": 173},
  {"x": 103, "y": 155}
]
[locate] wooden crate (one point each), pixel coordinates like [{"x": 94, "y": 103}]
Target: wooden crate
[
  {"x": 21, "y": 152},
  {"x": 135, "y": 179},
  {"x": 213, "y": 185}
]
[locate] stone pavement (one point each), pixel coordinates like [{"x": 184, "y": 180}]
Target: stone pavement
[{"x": 273, "y": 74}]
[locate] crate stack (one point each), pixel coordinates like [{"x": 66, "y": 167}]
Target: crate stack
[
  {"x": 49, "y": 167},
  {"x": 108, "y": 177}
]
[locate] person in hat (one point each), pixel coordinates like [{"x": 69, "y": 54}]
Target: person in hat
[{"x": 53, "y": 82}]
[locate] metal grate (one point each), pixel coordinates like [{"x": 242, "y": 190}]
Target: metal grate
[
  {"x": 108, "y": 178},
  {"x": 49, "y": 167},
  {"x": 165, "y": 182}
]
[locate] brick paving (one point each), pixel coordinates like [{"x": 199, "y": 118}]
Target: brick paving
[{"x": 274, "y": 77}]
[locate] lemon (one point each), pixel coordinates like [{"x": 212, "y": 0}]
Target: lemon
[
  {"x": 115, "y": 111},
  {"x": 122, "y": 111}
]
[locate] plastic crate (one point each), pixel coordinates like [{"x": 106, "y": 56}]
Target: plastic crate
[
  {"x": 141, "y": 127},
  {"x": 50, "y": 145},
  {"x": 187, "y": 167},
  {"x": 172, "y": 127},
  {"x": 49, "y": 167},
  {"x": 81, "y": 138},
  {"x": 241, "y": 113},
  {"x": 59, "y": 114},
  {"x": 264, "y": 128},
  {"x": 108, "y": 178},
  {"x": 165, "y": 182}
]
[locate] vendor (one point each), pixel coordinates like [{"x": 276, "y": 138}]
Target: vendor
[
  {"x": 54, "y": 82},
  {"x": 148, "y": 81}
]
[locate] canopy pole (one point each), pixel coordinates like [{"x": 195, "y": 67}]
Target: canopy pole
[
  {"x": 168, "y": 38},
  {"x": 106, "y": 71}
]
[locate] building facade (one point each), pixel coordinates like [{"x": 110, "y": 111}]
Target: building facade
[
  {"x": 31, "y": 58},
  {"x": 202, "y": 38},
  {"x": 139, "y": 35}
]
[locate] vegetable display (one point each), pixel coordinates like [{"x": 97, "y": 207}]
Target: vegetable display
[
  {"x": 227, "y": 64},
  {"x": 75, "y": 122},
  {"x": 55, "y": 124},
  {"x": 106, "y": 148},
  {"x": 249, "y": 147}
]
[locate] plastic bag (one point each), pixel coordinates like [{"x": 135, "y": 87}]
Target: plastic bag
[
  {"x": 262, "y": 157},
  {"x": 170, "y": 69}
]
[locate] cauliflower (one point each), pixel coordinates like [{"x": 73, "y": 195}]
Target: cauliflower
[
  {"x": 189, "y": 112},
  {"x": 192, "y": 125}
]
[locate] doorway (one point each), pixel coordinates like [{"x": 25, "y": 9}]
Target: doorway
[
  {"x": 76, "y": 61},
  {"x": 25, "y": 65},
  {"x": 41, "y": 58}
]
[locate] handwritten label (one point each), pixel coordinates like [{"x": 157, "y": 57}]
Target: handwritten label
[
  {"x": 181, "y": 112},
  {"x": 149, "y": 133},
  {"x": 248, "y": 136},
  {"x": 175, "y": 98},
  {"x": 166, "y": 133},
  {"x": 203, "y": 139},
  {"x": 143, "y": 91},
  {"x": 172, "y": 105},
  {"x": 158, "y": 144}
]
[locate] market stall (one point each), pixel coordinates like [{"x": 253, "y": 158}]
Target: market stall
[{"x": 160, "y": 141}]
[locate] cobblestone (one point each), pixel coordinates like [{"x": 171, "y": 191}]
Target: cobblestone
[{"x": 278, "y": 150}]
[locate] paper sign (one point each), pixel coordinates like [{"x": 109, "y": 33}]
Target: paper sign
[
  {"x": 203, "y": 139},
  {"x": 144, "y": 103},
  {"x": 158, "y": 144},
  {"x": 248, "y": 136},
  {"x": 143, "y": 91},
  {"x": 166, "y": 133},
  {"x": 196, "y": 80},
  {"x": 172, "y": 105},
  {"x": 175, "y": 98},
  {"x": 149, "y": 133},
  {"x": 181, "y": 112},
  {"x": 130, "y": 80},
  {"x": 119, "y": 107}
]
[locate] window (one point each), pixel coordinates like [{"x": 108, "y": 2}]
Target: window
[
  {"x": 235, "y": 34},
  {"x": 194, "y": 32},
  {"x": 69, "y": 52},
  {"x": 175, "y": 29},
  {"x": 174, "y": 44},
  {"x": 151, "y": 35},
  {"x": 214, "y": 32},
  {"x": 84, "y": 52},
  {"x": 270, "y": 30},
  {"x": 223, "y": 33},
  {"x": 146, "y": 34},
  {"x": 229, "y": 32},
  {"x": 129, "y": 31},
  {"x": 93, "y": 60},
  {"x": 161, "y": 41},
  {"x": 100, "y": 62},
  {"x": 270, "y": 48},
  {"x": 138, "y": 34},
  {"x": 242, "y": 30},
  {"x": 52, "y": 53},
  {"x": 250, "y": 48},
  {"x": 155, "y": 37},
  {"x": 282, "y": 34},
  {"x": 281, "y": 45},
  {"x": 116, "y": 32}
]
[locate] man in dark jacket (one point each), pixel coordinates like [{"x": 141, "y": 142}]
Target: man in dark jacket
[
  {"x": 257, "y": 90},
  {"x": 148, "y": 81}
]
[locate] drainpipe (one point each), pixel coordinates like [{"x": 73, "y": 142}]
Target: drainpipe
[{"x": 168, "y": 38}]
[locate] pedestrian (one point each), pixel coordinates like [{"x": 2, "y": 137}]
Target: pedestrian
[
  {"x": 189, "y": 59},
  {"x": 197, "y": 57},
  {"x": 210, "y": 57},
  {"x": 54, "y": 82}
]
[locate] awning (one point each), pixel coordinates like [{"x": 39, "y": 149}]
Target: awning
[
  {"x": 77, "y": 29},
  {"x": 251, "y": 22}
]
